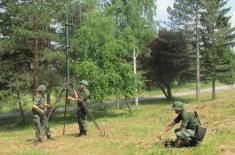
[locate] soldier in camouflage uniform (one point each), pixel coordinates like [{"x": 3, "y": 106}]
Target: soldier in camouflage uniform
[
  {"x": 189, "y": 123},
  {"x": 39, "y": 110},
  {"x": 82, "y": 96}
]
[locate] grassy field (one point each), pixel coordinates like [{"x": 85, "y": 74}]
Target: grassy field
[{"x": 130, "y": 135}]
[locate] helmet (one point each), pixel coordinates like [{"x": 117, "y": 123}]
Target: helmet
[
  {"x": 84, "y": 82},
  {"x": 178, "y": 105},
  {"x": 42, "y": 88}
]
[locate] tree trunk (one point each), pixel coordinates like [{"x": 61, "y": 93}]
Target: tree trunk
[
  {"x": 21, "y": 107},
  {"x": 164, "y": 92},
  {"x": 128, "y": 105},
  {"x": 134, "y": 67},
  {"x": 198, "y": 60},
  {"x": 213, "y": 88},
  {"x": 36, "y": 56},
  {"x": 36, "y": 65},
  {"x": 48, "y": 77},
  {"x": 119, "y": 103},
  {"x": 169, "y": 93},
  {"x": 49, "y": 97}
]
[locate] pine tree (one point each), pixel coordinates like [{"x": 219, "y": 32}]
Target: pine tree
[
  {"x": 29, "y": 29},
  {"x": 185, "y": 15},
  {"x": 218, "y": 38},
  {"x": 16, "y": 58}
]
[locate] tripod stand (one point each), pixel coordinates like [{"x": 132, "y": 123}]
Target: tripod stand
[
  {"x": 69, "y": 86},
  {"x": 51, "y": 115}
]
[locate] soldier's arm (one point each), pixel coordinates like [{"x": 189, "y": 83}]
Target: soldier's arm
[
  {"x": 75, "y": 96},
  {"x": 169, "y": 127},
  {"x": 72, "y": 98},
  {"x": 37, "y": 108}
]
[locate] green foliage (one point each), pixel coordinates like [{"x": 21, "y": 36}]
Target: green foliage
[
  {"x": 169, "y": 61},
  {"x": 103, "y": 40},
  {"x": 100, "y": 58},
  {"x": 208, "y": 20},
  {"x": 24, "y": 22},
  {"x": 3, "y": 94},
  {"x": 218, "y": 39}
]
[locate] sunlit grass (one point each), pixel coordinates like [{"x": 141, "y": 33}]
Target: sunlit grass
[{"x": 128, "y": 135}]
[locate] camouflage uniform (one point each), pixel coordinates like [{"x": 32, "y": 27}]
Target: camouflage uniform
[
  {"x": 39, "y": 119},
  {"x": 190, "y": 122},
  {"x": 81, "y": 113}
]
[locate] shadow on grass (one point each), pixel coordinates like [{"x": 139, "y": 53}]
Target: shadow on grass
[
  {"x": 159, "y": 101},
  {"x": 17, "y": 124},
  {"x": 163, "y": 101}
]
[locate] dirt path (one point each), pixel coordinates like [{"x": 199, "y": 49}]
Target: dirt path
[{"x": 205, "y": 90}]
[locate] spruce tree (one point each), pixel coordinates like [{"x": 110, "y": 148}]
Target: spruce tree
[{"x": 218, "y": 38}]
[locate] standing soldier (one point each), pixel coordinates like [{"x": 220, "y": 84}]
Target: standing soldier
[
  {"x": 39, "y": 110},
  {"x": 189, "y": 123},
  {"x": 80, "y": 98}
]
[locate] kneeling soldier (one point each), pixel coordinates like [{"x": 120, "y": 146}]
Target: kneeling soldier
[
  {"x": 189, "y": 124},
  {"x": 39, "y": 110}
]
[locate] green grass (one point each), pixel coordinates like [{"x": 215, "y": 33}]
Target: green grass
[{"x": 129, "y": 135}]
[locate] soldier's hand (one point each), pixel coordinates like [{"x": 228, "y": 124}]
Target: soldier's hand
[
  {"x": 69, "y": 97},
  {"x": 160, "y": 135}
]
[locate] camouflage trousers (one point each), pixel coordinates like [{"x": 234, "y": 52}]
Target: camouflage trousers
[
  {"x": 82, "y": 119},
  {"x": 40, "y": 122},
  {"x": 185, "y": 135}
]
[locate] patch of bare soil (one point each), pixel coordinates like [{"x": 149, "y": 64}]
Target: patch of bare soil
[
  {"x": 229, "y": 148},
  {"x": 205, "y": 107}
]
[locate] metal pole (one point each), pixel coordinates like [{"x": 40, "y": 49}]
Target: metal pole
[{"x": 67, "y": 68}]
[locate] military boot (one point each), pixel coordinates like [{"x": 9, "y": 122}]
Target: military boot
[
  {"x": 38, "y": 140},
  {"x": 82, "y": 133},
  {"x": 178, "y": 143},
  {"x": 50, "y": 138}
]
